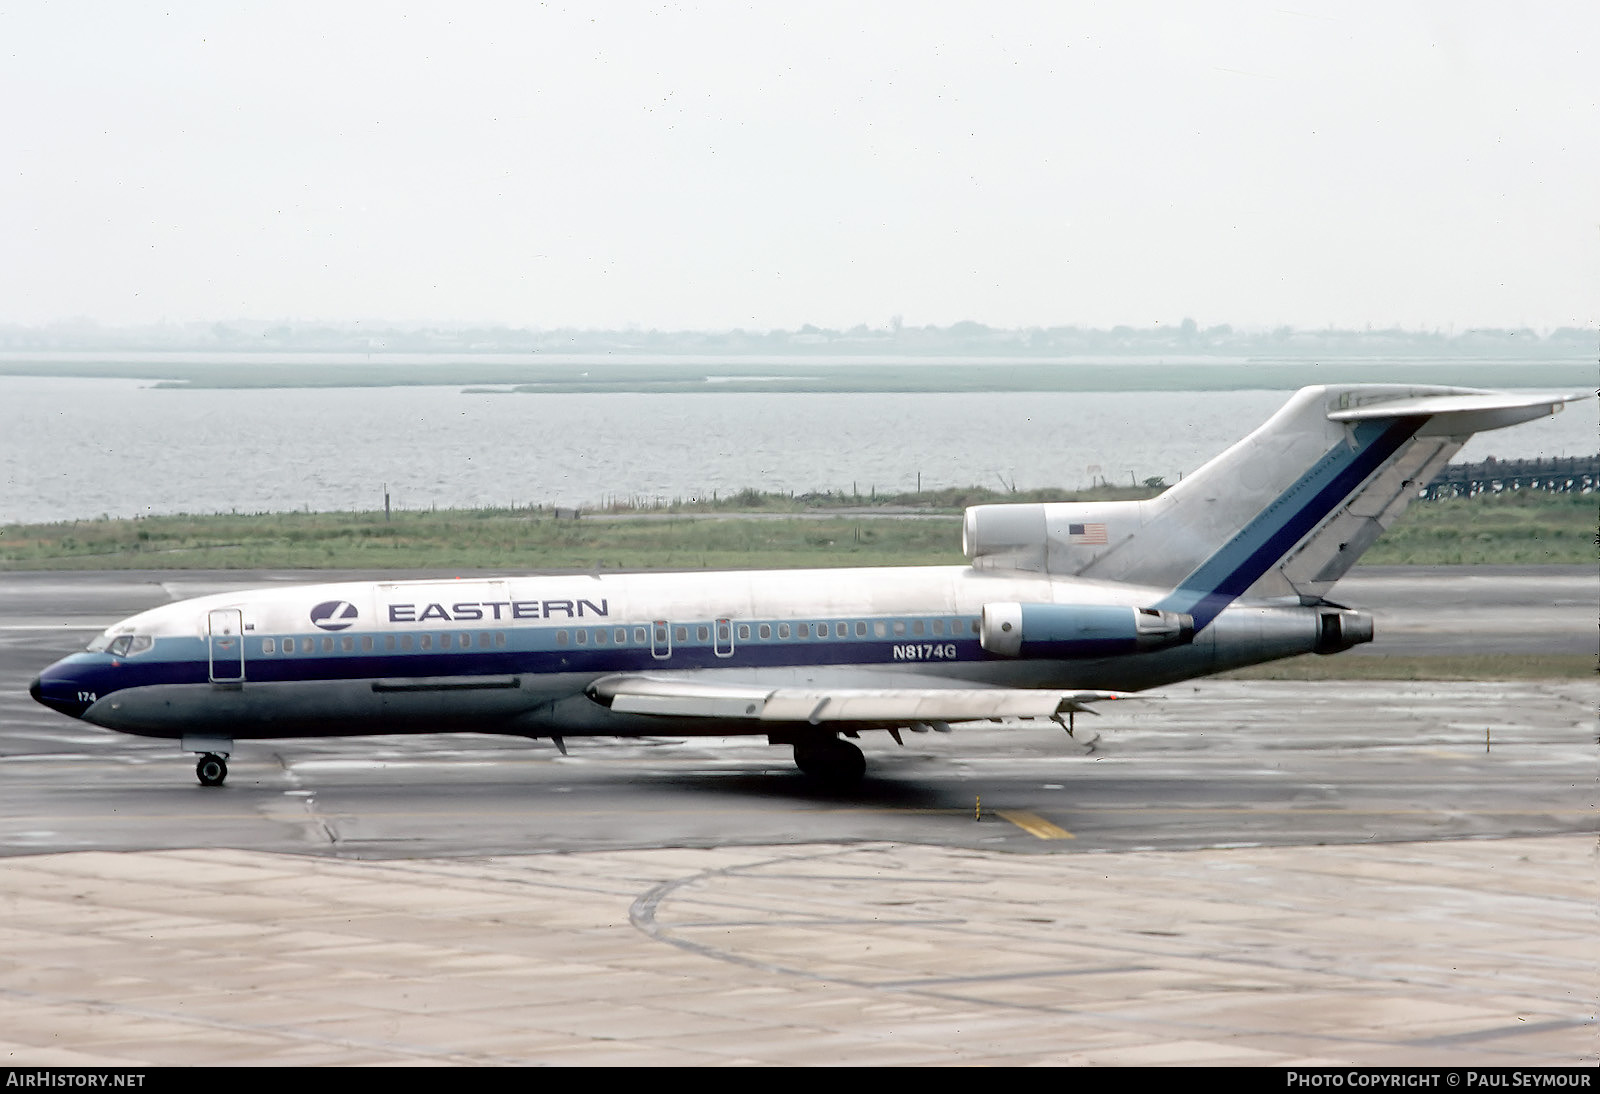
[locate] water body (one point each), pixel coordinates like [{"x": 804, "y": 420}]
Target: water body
[{"x": 80, "y": 448}]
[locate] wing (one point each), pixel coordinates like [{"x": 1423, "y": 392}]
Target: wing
[{"x": 885, "y": 706}]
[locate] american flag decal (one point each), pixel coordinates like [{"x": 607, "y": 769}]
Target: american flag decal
[{"x": 1089, "y": 535}]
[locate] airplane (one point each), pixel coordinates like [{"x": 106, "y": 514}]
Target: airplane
[{"x": 1062, "y": 605}]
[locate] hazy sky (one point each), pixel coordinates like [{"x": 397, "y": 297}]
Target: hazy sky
[{"x": 773, "y": 164}]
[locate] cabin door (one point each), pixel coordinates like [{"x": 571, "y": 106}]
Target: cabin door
[{"x": 225, "y": 644}]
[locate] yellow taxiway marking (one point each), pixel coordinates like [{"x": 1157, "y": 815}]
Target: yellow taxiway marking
[{"x": 1034, "y": 825}]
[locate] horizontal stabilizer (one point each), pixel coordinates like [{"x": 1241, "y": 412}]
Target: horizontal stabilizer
[
  {"x": 888, "y": 706},
  {"x": 1498, "y": 408}
]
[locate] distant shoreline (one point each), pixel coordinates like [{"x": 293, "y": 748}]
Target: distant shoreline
[{"x": 493, "y": 374}]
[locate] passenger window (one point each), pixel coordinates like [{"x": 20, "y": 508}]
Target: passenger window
[
  {"x": 621, "y": 636},
  {"x": 841, "y": 630},
  {"x": 938, "y": 626},
  {"x": 499, "y": 638},
  {"x": 444, "y": 641},
  {"x": 600, "y": 636},
  {"x": 366, "y": 643},
  {"x": 802, "y": 630},
  {"x": 388, "y": 641},
  {"x": 917, "y": 627},
  {"x": 405, "y": 642},
  {"x": 465, "y": 640},
  {"x": 861, "y": 629},
  {"x": 425, "y": 641},
  {"x": 683, "y": 634},
  {"x": 483, "y": 640},
  {"x": 348, "y": 643},
  {"x": 976, "y": 627},
  {"x": 880, "y": 628},
  {"x": 899, "y": 627},
  {"x": 765, "y": 631},
  {"x": 327, "y": 645},
  {"x": 783, "y": 630},
  {"x": 702, "y": 632},
  {"x": 641, "y": 636},
  {"x": 268, "y": 646},
  {"x": 561, "y": 638},
  {"x": 744, "y": 632},
  {"x": 582, "y": 637}
]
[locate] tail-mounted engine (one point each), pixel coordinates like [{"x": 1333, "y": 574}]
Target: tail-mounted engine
[
  {"x": 1065, "y": 631},
  {"x": 1340, "y": 628}
]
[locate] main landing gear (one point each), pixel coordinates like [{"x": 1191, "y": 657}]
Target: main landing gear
[{"x": 830, "y": 762}]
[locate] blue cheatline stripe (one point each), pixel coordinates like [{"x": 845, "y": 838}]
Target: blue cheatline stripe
[
  {"x": 528, "y": 651},
  {"x": 1274, "y": 531}
]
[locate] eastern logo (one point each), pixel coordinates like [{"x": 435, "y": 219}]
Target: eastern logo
[{"x": 334, "y": 615}]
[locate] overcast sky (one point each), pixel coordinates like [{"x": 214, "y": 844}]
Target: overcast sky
[{"x": 775, "y": 164}]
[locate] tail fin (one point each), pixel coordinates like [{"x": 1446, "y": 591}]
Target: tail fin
[{"x": 1284, "y": 512}]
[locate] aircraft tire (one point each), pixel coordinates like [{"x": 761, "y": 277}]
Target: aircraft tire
[
  {"x": 211, "y": 770},
  {"x": 830, "y": 762}
]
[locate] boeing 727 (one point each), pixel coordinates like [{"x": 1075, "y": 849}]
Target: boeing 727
[{"x": 1063, "y": 605}]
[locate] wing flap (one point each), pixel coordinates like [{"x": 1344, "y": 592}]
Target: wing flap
[{"x": 898, "y": 706}]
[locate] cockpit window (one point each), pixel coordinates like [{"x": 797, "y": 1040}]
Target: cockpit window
[{"x": 123, "y": 645}]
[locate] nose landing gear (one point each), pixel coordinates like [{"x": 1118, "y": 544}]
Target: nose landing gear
[
  {"x": 211, "y": 769},
  {"x": 214, "y": 752}
]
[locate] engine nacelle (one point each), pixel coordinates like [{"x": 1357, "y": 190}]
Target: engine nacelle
[
  {"x": 1057, "y": 537},
  {"x": 1341, "y": 629},
  {"x": 1066, "y": 631}
]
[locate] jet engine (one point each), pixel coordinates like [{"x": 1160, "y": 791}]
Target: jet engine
[
  {"x": 1341, "y": 629},
  {"x": 1064, "y": 631}
]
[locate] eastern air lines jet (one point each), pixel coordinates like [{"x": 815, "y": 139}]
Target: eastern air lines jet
[{"x": 1063, "y": 605}]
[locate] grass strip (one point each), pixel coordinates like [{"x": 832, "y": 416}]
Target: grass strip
[
  {"x": 1389, "y": 666},
  {"x": 749, "y": 530}
]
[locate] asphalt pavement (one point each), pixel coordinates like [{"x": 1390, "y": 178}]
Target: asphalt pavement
[{"x": 1222, "y": 872}]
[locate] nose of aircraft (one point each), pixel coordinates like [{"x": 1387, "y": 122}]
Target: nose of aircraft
[{"x": 60, "y": 695}]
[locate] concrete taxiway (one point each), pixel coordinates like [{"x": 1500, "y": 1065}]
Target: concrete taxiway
[{"x": 1233, "y": 872}]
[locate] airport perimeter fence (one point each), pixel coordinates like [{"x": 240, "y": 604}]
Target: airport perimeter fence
[{"x": 1567, "y": 475}]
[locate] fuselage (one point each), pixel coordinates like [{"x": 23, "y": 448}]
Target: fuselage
[
  {"x": 1064, "y": 604},
  {"x": 516, "y": 654}
]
